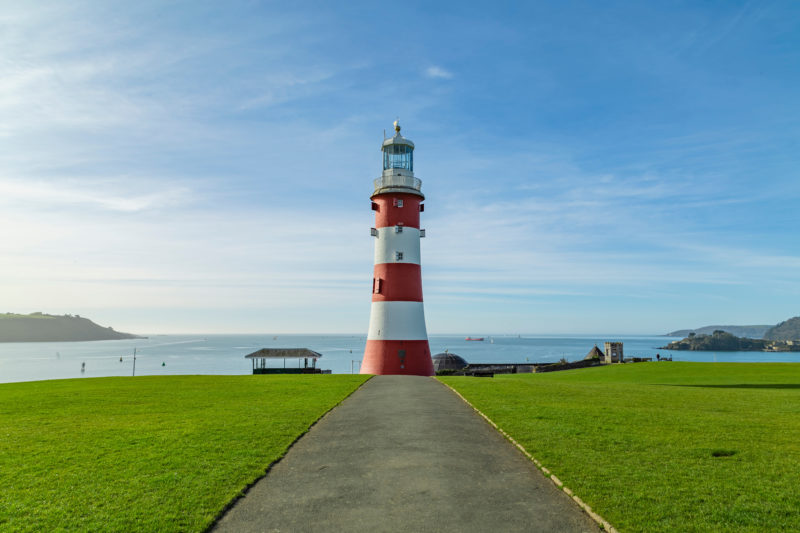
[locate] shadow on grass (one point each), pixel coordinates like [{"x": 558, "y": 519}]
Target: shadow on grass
[{"x": 737, "y": 385}]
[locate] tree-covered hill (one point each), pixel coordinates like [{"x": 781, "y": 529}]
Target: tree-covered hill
[
  {"x": 788, "y": 330},
  {"x": 753, "y": 332},
  {"x": 40, "y": 327},
  {"x": 718, "y": 341}
]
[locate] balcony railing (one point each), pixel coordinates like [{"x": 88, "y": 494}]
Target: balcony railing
[{"x": 407, "y": 182}]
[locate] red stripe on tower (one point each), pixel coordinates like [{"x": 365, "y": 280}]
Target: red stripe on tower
[{"x": 397, "y": 341}]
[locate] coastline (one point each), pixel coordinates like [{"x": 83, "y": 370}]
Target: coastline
[{"x": 216, "y": 354}]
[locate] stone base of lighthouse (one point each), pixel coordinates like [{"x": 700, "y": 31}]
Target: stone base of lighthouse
[
  {"x": 397, "y": 357},
  {"x": 397, "y": 342}
]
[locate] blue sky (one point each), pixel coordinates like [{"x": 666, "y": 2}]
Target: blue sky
[{"x": 614, "y": 167}]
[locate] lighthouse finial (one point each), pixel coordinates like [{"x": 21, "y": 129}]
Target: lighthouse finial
[{"x": 397, "y": 125}]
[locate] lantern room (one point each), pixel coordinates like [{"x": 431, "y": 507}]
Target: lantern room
[{"x": 398, "y": 152}]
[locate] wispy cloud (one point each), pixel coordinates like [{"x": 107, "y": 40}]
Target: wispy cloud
[
  {"x": 438, "y": 72},
  {"x": 274, "y": 89},
  {"x": 153, "y": 161},
  {"x": 94, "y": 194}
]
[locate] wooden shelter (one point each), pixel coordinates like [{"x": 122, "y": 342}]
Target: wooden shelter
[{"x": 260, "y": 358}]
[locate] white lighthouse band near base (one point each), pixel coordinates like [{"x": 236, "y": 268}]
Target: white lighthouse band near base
[{"x": 397, "y": 321}]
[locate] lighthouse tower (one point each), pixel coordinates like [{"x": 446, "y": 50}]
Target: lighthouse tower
[{"x": 397, "y": 341}]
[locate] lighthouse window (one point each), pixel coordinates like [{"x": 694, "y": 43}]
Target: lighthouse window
[
  {"x": 397, "y": 202},
  {"x": 398, "y": 156},
  {"x": 398, "y": 229},
  {"x": 398, "y": 256},
  {"x": 376, "y": 285}
]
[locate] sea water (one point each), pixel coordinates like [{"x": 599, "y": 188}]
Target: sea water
[{"x": 224, "y": 354}]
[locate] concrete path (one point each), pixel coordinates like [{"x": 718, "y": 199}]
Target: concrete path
[{"x": 404, "y": 453}]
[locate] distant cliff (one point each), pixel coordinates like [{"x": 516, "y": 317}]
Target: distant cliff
[
  {"x": 39, "y": 327},
  {"x": 752, "y": 332},
  {"x": 788, "y": 330}
]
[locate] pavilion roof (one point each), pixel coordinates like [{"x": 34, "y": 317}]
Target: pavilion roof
[{"x": 283, "y": 353}]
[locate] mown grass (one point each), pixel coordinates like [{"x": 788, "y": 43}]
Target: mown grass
[
  {"x": 162, "y": 453},
  {"x": 662, "y": 446}
]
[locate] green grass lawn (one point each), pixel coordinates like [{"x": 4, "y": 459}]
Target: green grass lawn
[
  {"x": 662, "y": 446},
  {"x": 162, "y": 453}
]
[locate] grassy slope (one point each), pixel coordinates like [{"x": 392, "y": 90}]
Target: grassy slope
[
  {"x": 146, "y": 453},
  {"x": 636, "y": 441}
]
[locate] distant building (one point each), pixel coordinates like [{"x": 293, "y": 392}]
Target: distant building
[
  {"x": 303, "y": 355},
  {"x": 613, "y": 353},
  {"x": 595, "y": 353}
]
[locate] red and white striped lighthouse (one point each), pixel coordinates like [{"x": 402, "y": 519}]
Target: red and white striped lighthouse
[{"x": 397, "y": 341}]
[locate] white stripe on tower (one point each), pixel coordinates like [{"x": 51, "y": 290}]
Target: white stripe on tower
[{"x": 390, "y": 243}]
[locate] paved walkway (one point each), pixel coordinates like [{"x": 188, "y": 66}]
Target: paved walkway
[{"x": 404, "y": 453}]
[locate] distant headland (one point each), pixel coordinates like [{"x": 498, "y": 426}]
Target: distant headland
[
  {"x": 40, "y": 327},
  {"x": 752, "y": 332},
  {"x": 783, "y": 337},
  {"x": 785, "y": 331}
]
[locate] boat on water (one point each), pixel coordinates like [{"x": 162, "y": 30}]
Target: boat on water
[{"x": 474, "y": 339}]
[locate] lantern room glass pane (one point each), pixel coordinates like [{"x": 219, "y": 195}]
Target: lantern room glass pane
[{"x": 398, "y": 156}]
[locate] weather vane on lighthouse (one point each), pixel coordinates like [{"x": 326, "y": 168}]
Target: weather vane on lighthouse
[{"x": 397, "y": 341}]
